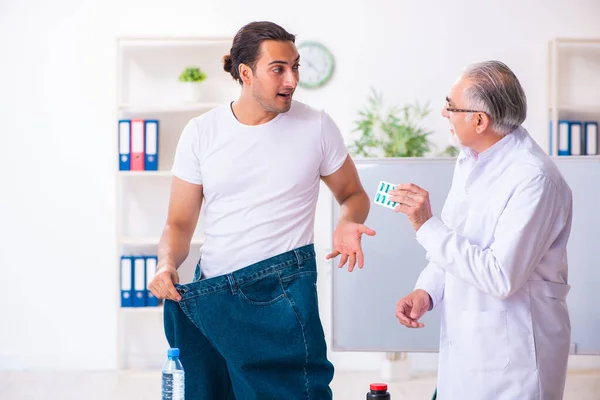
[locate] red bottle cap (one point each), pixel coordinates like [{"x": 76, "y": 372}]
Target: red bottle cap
[{"x": 378, "y": 386}]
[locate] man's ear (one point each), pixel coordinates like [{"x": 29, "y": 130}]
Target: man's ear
[
  {"x": 246, "y": 74},
  {"x": 482, "y": 121}
]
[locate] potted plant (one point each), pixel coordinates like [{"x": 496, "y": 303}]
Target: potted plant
[
  {"x": 396, "y": 132},
  {"x": 191, "y": 77}
]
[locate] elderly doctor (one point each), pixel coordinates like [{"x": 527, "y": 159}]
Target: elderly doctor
[{"x": 497, "y": 256}]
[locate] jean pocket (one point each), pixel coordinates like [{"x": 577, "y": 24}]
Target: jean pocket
[
  {"x": 263, "y": 291},
  {"x": 197, "y": 273}
]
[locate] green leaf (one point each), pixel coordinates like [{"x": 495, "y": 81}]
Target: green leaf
[
  {"x": 403, "y": 135},
  {"x": 192, "y": 74}
]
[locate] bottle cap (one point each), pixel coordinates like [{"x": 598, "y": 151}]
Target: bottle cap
[
  {"x": 378, "y": 386},
  {"x": 174, "y": 352}
]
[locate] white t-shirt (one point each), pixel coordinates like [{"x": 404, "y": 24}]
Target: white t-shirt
[{"x": 260, "y": 183}]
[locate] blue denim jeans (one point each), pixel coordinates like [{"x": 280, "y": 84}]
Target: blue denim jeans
[{"x": 254, "y": 333}]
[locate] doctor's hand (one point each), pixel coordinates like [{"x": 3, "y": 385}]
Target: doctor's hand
[
  {"x": 412, "y": 307},
  {"x": 414, "y": 202},
  {"x": 163, "y": 284},
  {"x": 346, "y": 241}
]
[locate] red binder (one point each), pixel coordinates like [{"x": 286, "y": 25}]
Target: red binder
[{"x": 137, "y": 145}]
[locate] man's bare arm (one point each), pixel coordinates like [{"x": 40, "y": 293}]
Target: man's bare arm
[
  {"x": 347, "y": 189},
  {"x": 354, "y": 203},
  {"x": 174, "y": 246}
]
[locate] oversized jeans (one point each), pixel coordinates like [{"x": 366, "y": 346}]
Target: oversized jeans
[{"x": 254, "y": 333}]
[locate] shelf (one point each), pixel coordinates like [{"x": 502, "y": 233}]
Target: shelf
[
  {"x": 145, "y": 174},
  {"x": 166, "y": 108},
  {"x": 142, "y": 42},
  {"x": 578, "y": 108},
  {"x": 565, "y": 40},
  {"x": 152, "y": 241},
  {"x": 577, "y": 158},
  {"x": 141, "y": 310}
]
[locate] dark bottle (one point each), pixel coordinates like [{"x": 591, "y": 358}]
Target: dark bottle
[{"x": 378, "y": 391}]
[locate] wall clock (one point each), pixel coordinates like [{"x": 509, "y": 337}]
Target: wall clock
[{"x": 316, "y": 65}]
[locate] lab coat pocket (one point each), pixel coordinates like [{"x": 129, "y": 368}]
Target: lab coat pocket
[{"x": 483, "y": 341}]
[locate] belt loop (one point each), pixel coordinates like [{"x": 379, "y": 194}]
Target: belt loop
[
  {"x": 232, "y": 284},
  {"x": 299, "y": 258}
]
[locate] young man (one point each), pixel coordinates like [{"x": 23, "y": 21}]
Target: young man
[
  {"x": 248, "y": 327},
  {"x": 498, "y": 255}
]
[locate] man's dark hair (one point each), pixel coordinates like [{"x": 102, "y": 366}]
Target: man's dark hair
[{"x": 247, "y": 43}]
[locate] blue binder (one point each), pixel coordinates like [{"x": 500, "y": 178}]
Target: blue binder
[
  {"x": 124, "y": 144},
  {"x": 564, "y": 138},
  {"x": 151, "y": 144},
  {"x": 139, "y": 281},
  {"x": 591, "y": 138},
  {"x": 550, "y": 139},
  {"x": 151, "y": 262},
  {"x": 577, "y": 138},
  {"x": 126, "y": 281}
]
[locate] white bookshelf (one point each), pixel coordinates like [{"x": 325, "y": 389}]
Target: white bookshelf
[
  {"x": 143, "y": 310},
  {"x": 573, "y": 82},
  {"x": 152, "y": 241},
  {"x": 148, "y": 88},
  {"x": 169, "y": 108},
  {"x": 145, "y": 174}
]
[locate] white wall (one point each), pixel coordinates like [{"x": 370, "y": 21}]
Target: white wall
[{"x": 57, "y": 124}]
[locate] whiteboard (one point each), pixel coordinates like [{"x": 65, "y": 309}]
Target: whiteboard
[{"x": 364, "y": 301}]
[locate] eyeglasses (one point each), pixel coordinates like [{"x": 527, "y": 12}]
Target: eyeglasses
[{"x": 450, "y": 109}]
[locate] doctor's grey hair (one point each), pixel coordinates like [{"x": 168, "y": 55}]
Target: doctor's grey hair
[{"x": 496, "y": 90}]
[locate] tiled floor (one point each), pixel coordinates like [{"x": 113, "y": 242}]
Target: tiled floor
[{"x": 146, "y": 386}]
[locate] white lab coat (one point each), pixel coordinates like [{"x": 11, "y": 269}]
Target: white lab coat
[{"x": 498, "y": 268}]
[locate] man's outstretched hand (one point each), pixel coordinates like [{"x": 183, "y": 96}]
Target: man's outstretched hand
[{"x": 347, "y": 242}]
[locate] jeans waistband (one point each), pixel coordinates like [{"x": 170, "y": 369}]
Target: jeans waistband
[{"x": 246, "y": 274}]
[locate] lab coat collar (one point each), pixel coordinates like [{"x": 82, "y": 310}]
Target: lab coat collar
[{"x": 506, "y": 142}]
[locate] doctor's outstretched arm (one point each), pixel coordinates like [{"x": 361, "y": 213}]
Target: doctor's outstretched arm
[{"x": 524, "y": 233}]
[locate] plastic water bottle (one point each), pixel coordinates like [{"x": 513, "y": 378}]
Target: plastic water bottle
[
  {"x": 173, "y": 377},
  {"x": 378, "y": 392}
]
